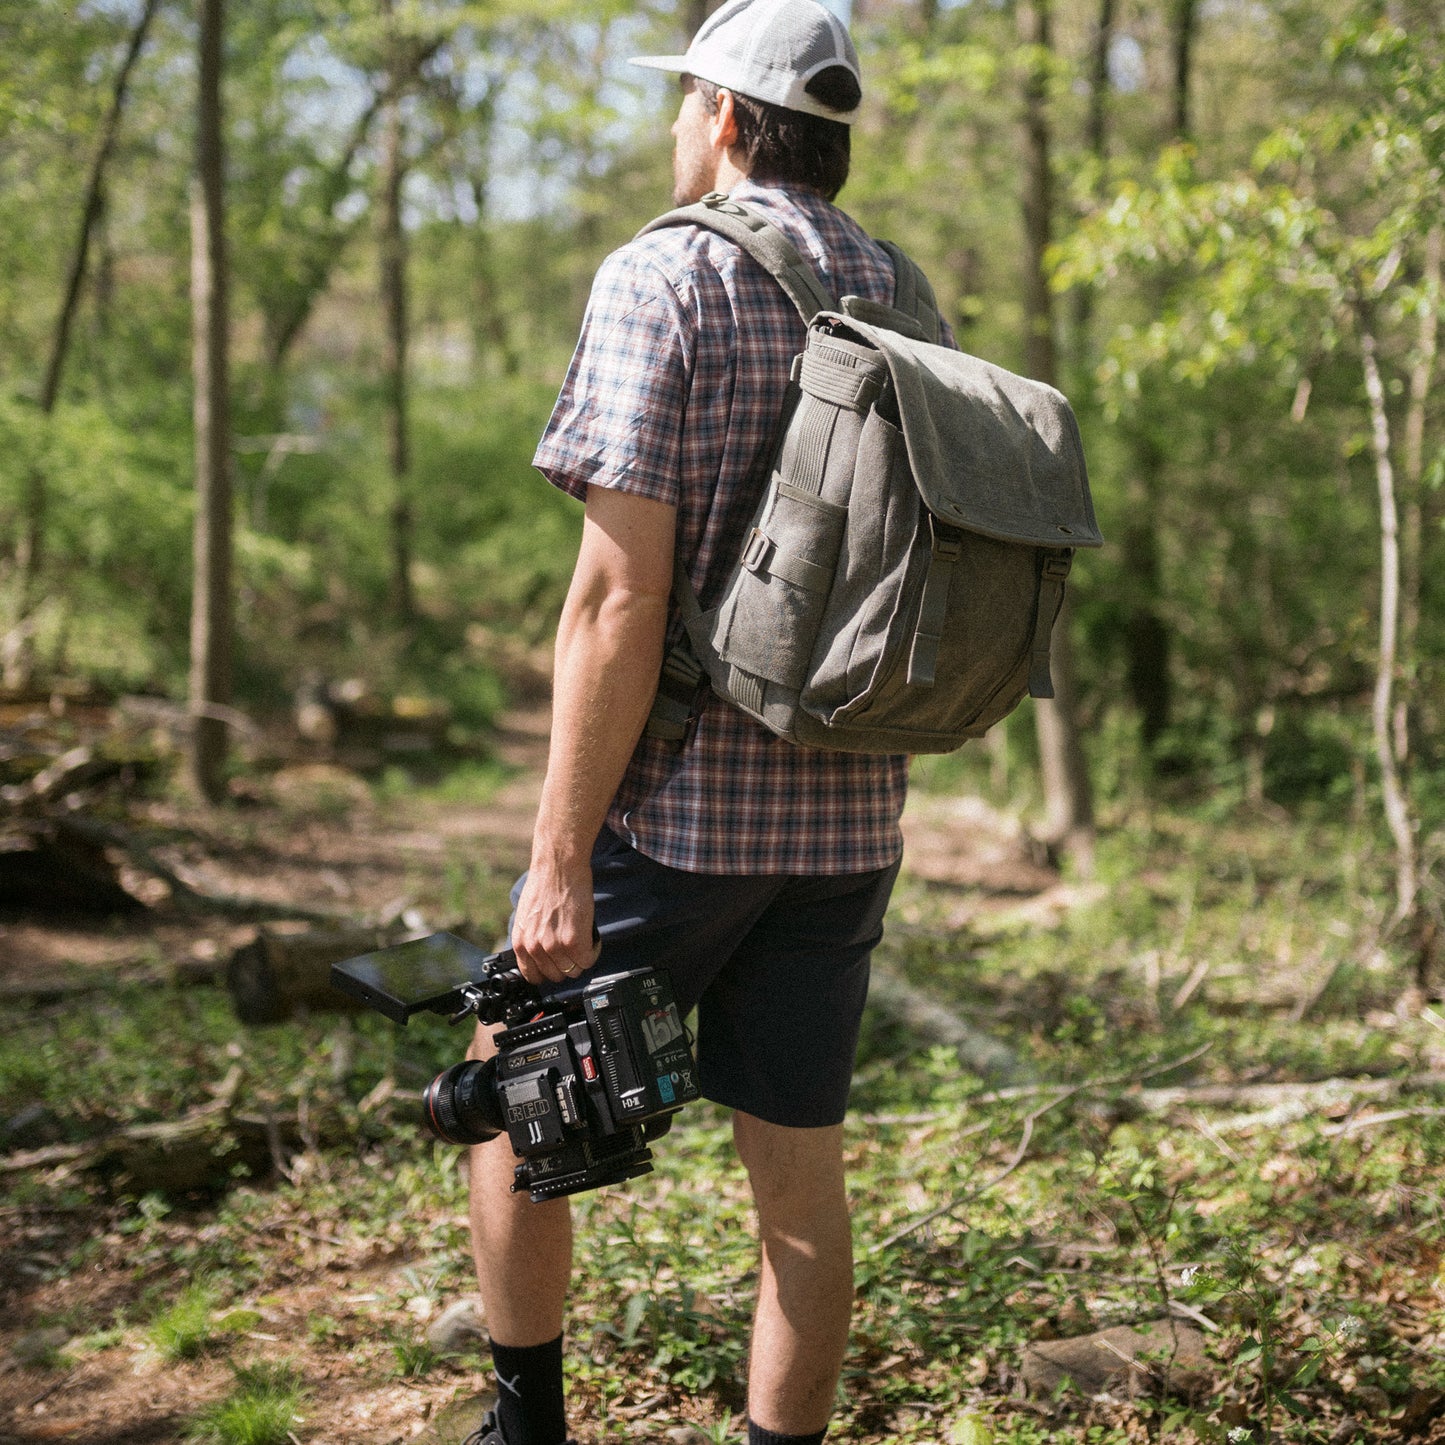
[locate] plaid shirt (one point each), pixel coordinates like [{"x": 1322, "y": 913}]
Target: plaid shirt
[{"x": 674, "y": 390}]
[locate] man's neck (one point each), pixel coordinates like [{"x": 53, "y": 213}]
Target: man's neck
[{"x": 729, "y": 176}]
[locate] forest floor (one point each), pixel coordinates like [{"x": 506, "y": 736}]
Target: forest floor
[{"x": 1220, "y": 1118}]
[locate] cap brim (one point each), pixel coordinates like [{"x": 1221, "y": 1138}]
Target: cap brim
[{"x": 676, "y": 64}]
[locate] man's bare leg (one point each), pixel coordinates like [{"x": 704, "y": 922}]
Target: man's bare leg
[
  {"x": 523, "y": 1251},
  {"x": 805, "y": 1295},
  {"x": 523, "y": 1255}
]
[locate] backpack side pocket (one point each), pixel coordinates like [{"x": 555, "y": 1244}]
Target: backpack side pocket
[{"x": 769, "y": 618}]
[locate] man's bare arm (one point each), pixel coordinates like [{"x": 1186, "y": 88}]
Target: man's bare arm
[{"x": 609, "y": 656}]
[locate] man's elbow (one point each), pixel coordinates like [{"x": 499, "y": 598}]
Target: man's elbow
[{"x": 621, "y": 609}]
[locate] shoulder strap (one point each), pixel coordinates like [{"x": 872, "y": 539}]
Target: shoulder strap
[
  {"x": 763, "y": 241},
  {"x": 912, "y": 292},
  {"x": 771, "y": 249}
]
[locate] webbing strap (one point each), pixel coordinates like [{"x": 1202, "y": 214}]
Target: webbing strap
[
  {"x": 842, "y": 385},
  {"x": 933, "y": 610},
  {"x": 913, "y": 292},
  {"x": 678, "y": 689},
  {"x": 812, "y": 436},
  {"x": 1053, "y": 572},
  {"x": 762, "y": 557},
  {"x": 763, "y": 241},
  {"x": 675, "y": 704}
]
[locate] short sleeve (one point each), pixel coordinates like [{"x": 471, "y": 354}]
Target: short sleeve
[{"x": 618, "y": 420}]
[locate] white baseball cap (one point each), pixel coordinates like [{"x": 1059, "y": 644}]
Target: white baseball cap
[{"x": 769, "y": 50}]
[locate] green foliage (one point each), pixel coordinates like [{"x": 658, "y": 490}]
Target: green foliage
[
  {"x": 261, "y": 1408},
  {"x": 414, "y": 1358},
  {"x": 187, "y": 1327}
]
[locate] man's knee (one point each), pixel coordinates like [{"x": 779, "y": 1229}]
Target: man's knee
[{"x": 792, "y": 1171}]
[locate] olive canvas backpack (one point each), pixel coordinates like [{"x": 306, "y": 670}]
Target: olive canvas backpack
[{"x": 899, "y": 585}]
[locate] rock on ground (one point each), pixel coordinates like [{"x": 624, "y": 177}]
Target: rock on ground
[{"x": 1130, "y": 1360}]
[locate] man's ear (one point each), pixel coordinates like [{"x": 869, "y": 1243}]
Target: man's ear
[{"x": 723, "y": 124}]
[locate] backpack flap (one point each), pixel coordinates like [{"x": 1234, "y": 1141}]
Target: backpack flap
[{"x": 991, "y": 452}]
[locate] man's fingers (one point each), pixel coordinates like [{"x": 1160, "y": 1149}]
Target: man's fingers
[{"x": 554, "y": 961}]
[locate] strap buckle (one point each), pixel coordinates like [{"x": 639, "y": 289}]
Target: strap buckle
[
  {"x": 757, "y": 551},
  {"x": 947, "y": 539},
  {"x": 1056, "y": 565}
]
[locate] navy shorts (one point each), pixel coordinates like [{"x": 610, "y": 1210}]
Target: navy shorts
[{"x": 776, "y": 966}]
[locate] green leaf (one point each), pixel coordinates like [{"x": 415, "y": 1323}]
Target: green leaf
[
  {"x": 971, "y": 1430},
  {"x": 1295, "y": 1406},
  {"x": 633, "y": 1316}
]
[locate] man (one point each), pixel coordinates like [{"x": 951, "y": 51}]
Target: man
[{"x": 757, "y": 872}]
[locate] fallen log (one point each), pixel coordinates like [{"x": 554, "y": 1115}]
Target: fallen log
[
  {"x": 280, "y": 974},
  {"x": 190, "y": 899},
  {"x": 52, "y": 864},
  {"x": 203, "y": 1148},
  {"x": 931, "y": 1021},
  {"x": 1278, "y": 1103},
  {"x": 58, "y": 988},
  {"x": 1150, "y": 1358},
  {"x": 1313, "y": 1095}
]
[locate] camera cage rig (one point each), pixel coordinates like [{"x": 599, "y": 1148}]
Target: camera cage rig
[{"x": 584, "y": 1077}]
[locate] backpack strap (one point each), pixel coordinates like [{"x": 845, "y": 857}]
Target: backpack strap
[
  {"x": 763, "y": 241},
  {"x": 913, "y": 292},
  {"x": 1054, "y": 564},
  {"x": 680, "y": 687}
]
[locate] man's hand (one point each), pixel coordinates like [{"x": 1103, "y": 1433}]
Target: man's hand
[{"x": 552, "y": 931}]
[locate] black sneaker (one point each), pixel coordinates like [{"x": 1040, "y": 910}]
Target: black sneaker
[{"x": 490, "y": 1432}]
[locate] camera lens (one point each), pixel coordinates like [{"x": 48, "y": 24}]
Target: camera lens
[{"x": 460, "y": 1105}]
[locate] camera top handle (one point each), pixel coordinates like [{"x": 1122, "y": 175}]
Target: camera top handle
[{"x": 502, "y": 997}]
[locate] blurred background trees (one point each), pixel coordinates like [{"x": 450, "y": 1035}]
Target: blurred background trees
[{"x": 1218, "y": 227}]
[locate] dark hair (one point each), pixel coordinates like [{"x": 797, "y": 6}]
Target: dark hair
[{"x": 791, "y": 147}]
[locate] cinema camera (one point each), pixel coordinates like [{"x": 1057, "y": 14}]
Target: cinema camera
[{"x": 582, "y": 1080}]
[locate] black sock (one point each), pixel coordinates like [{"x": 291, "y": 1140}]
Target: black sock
[
  {"x": 529, "y": 1393},
  {"x": 758, "y": 1436}
]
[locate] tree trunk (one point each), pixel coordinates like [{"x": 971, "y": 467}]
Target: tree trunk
[
  {"x": 1040, "y": 350},
  {"x": 1146, "y": 637},
  {"x": 491, "y": 333},
  {"x": 1096, "y": 139},
  {"x": 1412, "y": 534},
  {"x": 1067, "y": 795},
  {"x": 30, "y": 551},
  {"x": 211, "y": 623},
  {"x": 1185, "y": 15},
  {"x": 694, "y": 12},
  {"x": 394, "y": 305},
  {"x": 1397, "y": 808}
]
